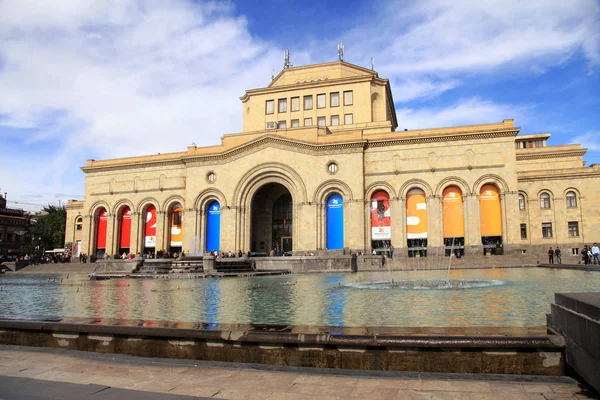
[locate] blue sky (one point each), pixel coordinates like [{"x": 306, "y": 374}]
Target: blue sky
[{"x": 111, "y": 78}]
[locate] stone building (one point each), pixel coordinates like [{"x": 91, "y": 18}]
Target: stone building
[
  {"x": 319, "y": 165},
  {"x": 14, "y": 229}
]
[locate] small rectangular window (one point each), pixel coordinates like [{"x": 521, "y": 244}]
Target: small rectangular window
[
  {"x": 348, "y": 119},
  {"x": 321, "y": 121},
  {"x": 270, "y": 107},
  {"x": 295, "y": 103},
  {"x": 282, "y": 105},
  {"x": 334, "y": 99},
  {"x": 308, "y": 103},
  {"x": 321, "y": 100},
  {"x": 307, "y": 121},
  {"x": 573, "y": 228},
  {"x": 348, "y": 98},
  {"x": 575, "y": 251},
  {"x": 295, "y": 123},
  {"x": 547, "y": 229},
  {"x": 335, "y": 120},
  {"x": 523, "y": 231},
  {"x": 281, "y": 125}
]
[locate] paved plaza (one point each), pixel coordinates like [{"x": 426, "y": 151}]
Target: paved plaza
[{"x": 45, "y": 373}]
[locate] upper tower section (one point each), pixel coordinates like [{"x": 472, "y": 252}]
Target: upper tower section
[{"x": 336, "y": 95}]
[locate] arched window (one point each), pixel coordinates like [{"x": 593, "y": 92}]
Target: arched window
[
  {"x": 544, "y": 200},
  {"x": 176, "y": 230},
  {"x": 521, "y": 202},
  {"x": 79, "y": 223},
  {"x": 101, "y": 229},
  {"x": 571, "y": 200},
  {"x": 125, "y": 230}
]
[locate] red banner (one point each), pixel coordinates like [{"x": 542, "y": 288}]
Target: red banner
[
  {"x": 125, "y": 237},
  {"x": 150, "y": 227},
  {"x": 101, "y": 229},
  {"x": 381, "y": 224}
]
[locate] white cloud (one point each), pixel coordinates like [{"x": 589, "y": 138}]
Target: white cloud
[
  {"x": 463, "y": 112},
  {"x": 590, "y": 141},
  {"x": 103, "y": 79},
  {"x": 436, "y": 41}
]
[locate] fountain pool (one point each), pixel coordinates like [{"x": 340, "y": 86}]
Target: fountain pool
[{"x": 513, "y": 297}]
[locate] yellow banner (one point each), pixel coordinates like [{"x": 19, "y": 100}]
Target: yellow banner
[
  {"x": 452, "y": 206},
  {"x": 489, "y": 211},
  {"x": 416, "y": 214}
]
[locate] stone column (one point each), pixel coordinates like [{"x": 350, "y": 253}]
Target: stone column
[
  {"x": 354, "y": 221},
  {"x": 398, "y": 219},
  {"x": 472, "y": 224},
  {"x": 434, "y": 221},
  {"x": 111, "y": 235},
  {"x": 135, "y": 233},
  {"x": 87, "y": 239},
  {"x": 160, "y": 231},
  {"x": 189, "y": 231}
]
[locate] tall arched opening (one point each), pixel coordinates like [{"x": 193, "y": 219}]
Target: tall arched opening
[
  {"x": 175, "y": 228},
  {"x": 213, "y": 227},
  {"x": 416, "y": 223},
  {"x": 149, "y": 230},
  {"x": 335, "y": 222},
  {"x": 101, "y": 231},
  {"x": 490, "y": 213},
  {"x": 381, "y": 221},
  {"x": 125, "y": 230},
  {"x": 272, "y": 220},
  {"x": 454, "y": 221}
]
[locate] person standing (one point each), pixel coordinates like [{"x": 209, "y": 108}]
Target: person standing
[
  {"x": 596, "y": 253},
  {"x": 586, "y": 258},
  {"x": 558, "y": 257},
  {"x": 550, "y": 256},
  {"x": 391, "y": 251}
]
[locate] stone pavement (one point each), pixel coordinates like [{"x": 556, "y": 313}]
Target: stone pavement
[{"x": 44, "y": 373}]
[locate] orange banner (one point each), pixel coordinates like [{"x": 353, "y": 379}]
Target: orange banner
[
  {"x": 452, "y": 208},
  {"x": 177, "y": 225},
  {"x": 416, "y": 215},
  {"x": 489, "y": 211}
]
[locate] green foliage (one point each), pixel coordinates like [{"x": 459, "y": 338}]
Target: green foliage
[{"x": 50, "y": 227}]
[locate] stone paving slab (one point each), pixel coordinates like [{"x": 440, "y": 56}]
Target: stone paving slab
[{"x": 43, "y": 373}]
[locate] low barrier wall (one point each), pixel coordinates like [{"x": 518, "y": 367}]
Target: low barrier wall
[
  {"x": 577, "y": 317},
  {"x": 347, "y": 348}
]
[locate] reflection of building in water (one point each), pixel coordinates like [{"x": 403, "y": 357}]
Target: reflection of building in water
[{"x": 319, "y": 165}]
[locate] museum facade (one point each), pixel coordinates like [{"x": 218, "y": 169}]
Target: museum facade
[{"x": 320, "y": 166}]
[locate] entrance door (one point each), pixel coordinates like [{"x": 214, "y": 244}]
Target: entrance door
[{"x": 286, "y": 243}]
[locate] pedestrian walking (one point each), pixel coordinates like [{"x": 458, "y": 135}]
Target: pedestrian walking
[
  {"x": 558, "y": 257},
  {"x": 550, "y": 256}
]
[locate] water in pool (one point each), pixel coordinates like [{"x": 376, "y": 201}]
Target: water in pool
[{"x": 515, "y": 297}]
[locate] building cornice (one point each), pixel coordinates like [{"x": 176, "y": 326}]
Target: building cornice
[
  {"x": 305, "y": 147},
  {"x": 545, "y": 175},
  {"x": 543, "y": 154}
]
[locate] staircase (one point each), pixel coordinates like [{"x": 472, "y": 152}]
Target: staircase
[
  {"x": 187, "y": 265},
  {"x": 235, "y": 265}
]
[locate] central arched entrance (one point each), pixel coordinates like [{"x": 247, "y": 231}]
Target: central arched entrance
[{"x": 272, "y": 220}]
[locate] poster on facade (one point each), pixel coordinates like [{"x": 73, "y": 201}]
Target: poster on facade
[
  {"x": 452, "y": 209},
  {"x": 177, "y": 225},
  {"x": 381, "y": 223},
  {"x": 416, "y": 215},
  {"x": 490, "y": 211},
  {"x": 213, "y": 227},
  {"x": 125, "y": 237},
  {"x": 335, "y": 222},
  {"x": 102, "y": 229},
  {"x": 150, "y": 227}
]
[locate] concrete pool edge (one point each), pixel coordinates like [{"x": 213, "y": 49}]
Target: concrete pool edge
[{"x": 384, "y": 349}]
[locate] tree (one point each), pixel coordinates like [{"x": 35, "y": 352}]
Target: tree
[{"x": 50, "y": 227}]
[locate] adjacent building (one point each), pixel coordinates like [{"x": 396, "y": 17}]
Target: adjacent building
[
  {"x": 320, "y": 165},
  {"x": 14, "y": 229}
]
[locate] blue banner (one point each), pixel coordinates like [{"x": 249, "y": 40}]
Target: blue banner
[
  {"x": 213, "y": 227},
  {"x": 335, "y": 222}
]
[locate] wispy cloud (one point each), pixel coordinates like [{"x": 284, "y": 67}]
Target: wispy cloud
[{"x": 590, "y": 141}]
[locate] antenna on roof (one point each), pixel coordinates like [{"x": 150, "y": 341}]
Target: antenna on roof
[
  {"x": 272, "y": 75},
  {"x": 372, "y": 64},
  {"x": 286, "y": 59},
  {"x": 341, "y": 52}
]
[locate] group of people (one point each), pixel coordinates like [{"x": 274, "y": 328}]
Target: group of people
[
  {"x": 230, "y": 254},
  {"x": 554, "y": 253},
  {"x": 591, "y": 254}
]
